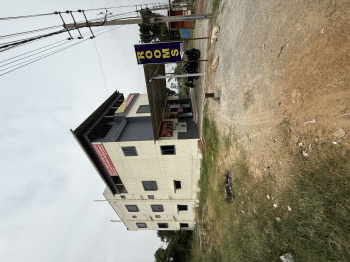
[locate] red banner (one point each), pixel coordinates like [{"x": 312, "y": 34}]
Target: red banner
[
  {"x": 166, "y": 129},
  {"x": 100, "y": 150}
]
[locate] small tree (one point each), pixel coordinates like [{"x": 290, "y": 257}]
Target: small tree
[
  {"x": 178, "y": 246},
  {"x": 149, "y": 33},
  {"x": 152, "y": 32}
]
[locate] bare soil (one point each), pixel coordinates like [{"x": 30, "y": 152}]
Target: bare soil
[{"x": 280, "y": 61}]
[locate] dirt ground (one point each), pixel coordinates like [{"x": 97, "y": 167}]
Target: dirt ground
[{"x": 278, "y": 60}]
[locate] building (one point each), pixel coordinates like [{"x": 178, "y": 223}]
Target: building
[{"x": 145, "y": 149}]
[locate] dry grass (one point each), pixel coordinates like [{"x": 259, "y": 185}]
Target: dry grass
[{"x": 311, "y": 194}]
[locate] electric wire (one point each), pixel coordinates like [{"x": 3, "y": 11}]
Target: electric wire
[
  {"x": 54, "y": 45},
  {"x": 35, "y": 54},
  {"x": 28, "y": 32},
  {"x": 12, "y": 44},
  {"x": 103, "y": 74},
  {"x": 24, "y": 16},
  {"x": 54, "y": 52},
  {"x": 64, "y": 40},
  {"x": 55, "y": 13},
  {"x": 52, "y": 27}
]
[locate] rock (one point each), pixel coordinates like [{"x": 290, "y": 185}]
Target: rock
[
  {"x": 296, "y": 97},
  {"x": 305, "y": 154},
  {"x": 215, "y": 34},
  {"x": 339, "y": 132},
  {"x": 287, "y": 258},
  {"x": 278, "y": 219},
  {"x": 215, "y": 63}
]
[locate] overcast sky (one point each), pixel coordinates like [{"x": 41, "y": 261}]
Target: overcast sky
[{"x": 48, "y": 185}]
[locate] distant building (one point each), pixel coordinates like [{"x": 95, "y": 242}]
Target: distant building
[{"x": 145, "y": 149}]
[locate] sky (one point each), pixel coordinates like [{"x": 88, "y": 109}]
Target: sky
[{"x": 47, "y": 184}]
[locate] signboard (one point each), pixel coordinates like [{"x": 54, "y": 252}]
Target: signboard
[
  {"x": 160, "y": 53},
  {"x": 166, "y": 129},
  {"x": 125, "y": 104},
  {"x": 101, "y": 152}
]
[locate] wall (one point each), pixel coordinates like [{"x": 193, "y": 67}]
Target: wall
[
  {"x": 142, "y": 99},
  {"x": 151, "y": 165}
]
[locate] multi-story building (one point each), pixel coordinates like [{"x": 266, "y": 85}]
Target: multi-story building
[{"x": 145, "y": 148}]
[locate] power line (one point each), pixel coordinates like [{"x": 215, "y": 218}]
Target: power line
[
  {"x": 57, "y": 44},
  {"x": 99, "y": 59},
  {"x": 55, "y": 13},
  {"x": 54, "y": 52},
  {"x": 28, "y": 32},
  {"x": 24, "y": 16},
  {"x": 64, "y": 40},
  {"x": 12, "y": 44}
]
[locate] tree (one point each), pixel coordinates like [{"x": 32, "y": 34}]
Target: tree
[
  {"x": 178, "y": 246},
  {"x": 149, "y": 33},
  {"x": 152, "y": 32}
]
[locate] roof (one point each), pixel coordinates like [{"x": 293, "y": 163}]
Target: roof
[
  {"x": 156, "y": 91},
  {"x": 81, "y": 132}
]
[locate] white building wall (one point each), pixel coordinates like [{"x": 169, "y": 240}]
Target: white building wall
[
  {"x": 142, "y": 99},
  {"x": 151, "y": 165}
]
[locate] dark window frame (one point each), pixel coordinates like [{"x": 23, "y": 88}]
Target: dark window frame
[
  {"x": 163, "y": 225},
  {"x": 129, "y": 150},
  {"x": 157, "y": 208},
  {"x": 143, "y": 109},
  {"x": 168, "y": 150},
  {"x": 141, "y": 225},
  {"x": 157, "y": 216},
  {"x": 182, "y": 208},
  {"x": 130, "y": 208},
  {"x": 177, "y": 185},
  {"x": 184, "y": 225},
  {"x": 150, "y": 196},
  {"x": 147, "y": 187}
]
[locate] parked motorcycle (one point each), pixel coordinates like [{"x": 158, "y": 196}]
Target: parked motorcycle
[
  {"x": 193, "y": 54},
  {"x": 189, "y": 84},
  {"x": 191, "y": 67},
  {"x": 190, "y": 81}
]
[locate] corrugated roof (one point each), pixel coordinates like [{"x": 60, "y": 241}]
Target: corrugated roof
[{"x": 156, "y": 91}]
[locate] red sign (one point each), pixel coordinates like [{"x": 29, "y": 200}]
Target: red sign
[
  {"x": 166, "y": 129},
  {"x": 101, "y": 151}
]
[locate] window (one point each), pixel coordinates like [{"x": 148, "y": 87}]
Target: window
[
  {"x": 121, "y": 189},
  {"x": 116, "y": 180},
  {"x": 157, "y": 208},
  {"x": 181, "y": 207},
  {"x": 149, "y": 185},
  {"x": 157, "y": 216},
  {"x": 167, "y": 150},
  {"x": 122, "y": 196},
  {"x": 163, "y": 225},
  {"x": 143, "y": 109},
  {"x": 134, "y": 216},
  {"x": 150, "y": 196},
  {"x": 177, "y": 185},
  {"x": 132, "y": 208},
  {"x": 182, "y": 225},
  {"x": 129, "y": 151},
  {"x": 141, "y": 225}
]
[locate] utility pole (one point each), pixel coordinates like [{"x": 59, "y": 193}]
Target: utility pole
[{"x": 144, "y": 20}]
